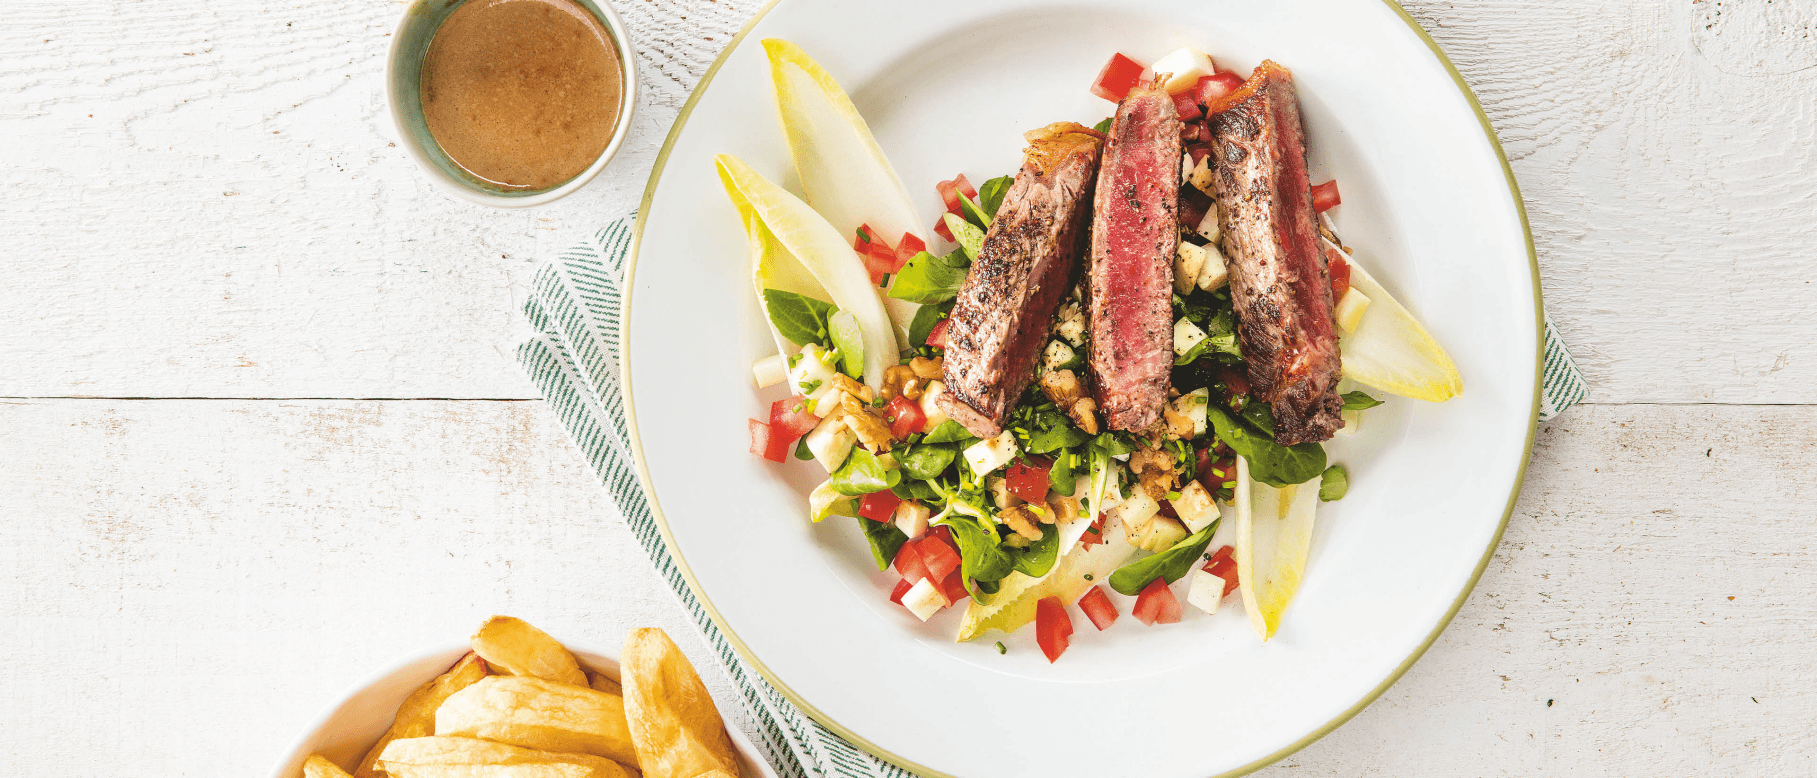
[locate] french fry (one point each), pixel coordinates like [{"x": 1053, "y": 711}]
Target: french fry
[
  {"x": 318, "y": 766},
  {"x": 539, "y": 714},
  {"x": 513, "y": 647},
  {"x": 673, "y": 721},
  {"x": 601, "y": 683},
  {"x": 440, "y": 757},
  {"x": 416, "y": 717}
]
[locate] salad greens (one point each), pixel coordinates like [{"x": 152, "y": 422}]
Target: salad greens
[
  {"x": 1334, "y": 483},
  {"x": 800, "y": 318},
  {"x": 1170, "y": 565},
  {"x": 862, "y": 473},
  {"x": 969, "y": 236},
  {"x": 885, "y": 540},
  {"x": 925, "y": 318},
  {"x": 1358, "y": 401},
  {"x": 929, "y": 279},
  {"x": 990, "y": 195},
  {"x": 849, "y": 340},
  {"x": 1269, "y": 462}
]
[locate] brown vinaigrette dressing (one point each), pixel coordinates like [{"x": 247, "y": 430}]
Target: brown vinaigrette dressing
[{"x": 521, "y": 93}]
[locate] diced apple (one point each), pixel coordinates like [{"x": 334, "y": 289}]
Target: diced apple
[
  {"x": 1350, "y": 310},
  {"x": 924, "y": 599},
  {"x": 1185, "y": 336},
  {"x": 1195, "y": 507},
  {"x": 1188, "y": 259},
  {"x": 1185, "y": 66},
  {"x": 1353, "y": 421},
  {"x": 770, "y": 371},
  {"x": 930, "y": 404},
  {"x": 1159, "y": 534},
  {"x": 827, "y": 402},
  {"x": 1207, "y": 591},
  {"x": 998, "y": 489},
  {"x": 1058, "y": 355},
  {"x": 1208, "y": 225},
  {"x": 1072, "y": 324},
  {"x": 1215, "y": 273},
  {"x": 911, "y": 517},
  {"x": 812, "y": 369},
  {"x": 1201, "y": 179},
  {"x": 831, "y": 441},
  {"x": 986, "y": 456},
  {"x": 1137, "y": 509},
  {"x": 1192, "y": 406},
  {"x": 1185, "y": 168}
]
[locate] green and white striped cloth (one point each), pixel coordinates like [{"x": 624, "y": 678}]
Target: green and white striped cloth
[{"x": 574, "y": 307}]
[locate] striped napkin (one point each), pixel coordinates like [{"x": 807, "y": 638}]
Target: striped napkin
[{"x": 574, "y": 307}]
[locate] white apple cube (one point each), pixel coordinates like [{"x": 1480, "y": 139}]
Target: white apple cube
[
  {"x": 770, "y": 371},
  {"x": 1187, "y": 261},
  {"x": 1195, "y": 507},
  {"x": 1214, "y": 274},
  {"x": 831, "y": 441},
  {"x": 813, "y": 369},
  {"x": 1350, "y": 310},
  {"x": 1192, "y": 405},
  {"x": 1185, "y": 66},
  {"x": 1137, "y": 509},
  {"x": 1200, "y": 178},
  {"x": 1353, "y": 421},
  {"x": 986, "y": 456},
  {"x": 1207, "y": 591},
  {"x": 911, "y": 517},
  {"x": 1208, "y": 227},
  {"x": 924, "y": 599},
  {"x": 1185, "y": 336}
]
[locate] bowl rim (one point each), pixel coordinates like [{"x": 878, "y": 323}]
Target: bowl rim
[
  {"x": 628, "y": 99},
  {"x": 290, "y": 761}
]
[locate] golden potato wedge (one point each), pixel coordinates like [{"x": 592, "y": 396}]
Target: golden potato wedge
[
  {"x": 539, "y": 714},
  {"x": 318, "y": 766},
  {"x": 673, "y": 721},
  {"x": 435, "y": 756},
  {"x": 513, "y": 647},
  {"x": 600, "y": 682},
  {"x": 416, "y": 717},
  {"x": 715, "y": 774}
]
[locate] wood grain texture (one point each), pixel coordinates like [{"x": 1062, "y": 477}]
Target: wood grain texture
[{"x": 189, "y": 583}]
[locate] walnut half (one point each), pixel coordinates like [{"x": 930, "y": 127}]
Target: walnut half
[{"x": 1068, "y": 393}]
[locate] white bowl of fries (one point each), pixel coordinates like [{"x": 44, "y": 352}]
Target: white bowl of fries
[{"x": 517, "y": 704}]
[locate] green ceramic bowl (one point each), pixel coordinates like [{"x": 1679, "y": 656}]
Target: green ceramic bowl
[{"x": 403, "y": 76}]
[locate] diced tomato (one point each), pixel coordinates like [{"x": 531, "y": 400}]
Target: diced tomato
[
  {"x": 902, "y": 588},
  {"x": 1094, "y": 534},
  {"x": 1186, "y": 106},
  {"x": 879, "y": 506},
  {"x": 907, "y": 248},
  {"x": 953, "y": 586},
  {"x": 1224, "y": 565},
  {"x": 789, "y": 420},
  {"x": 936, "y": 337},
  {"x": 945, "y": 534},
  {"x": 1340, "y": 273},
  {"x": 1099, "y": 608},
  {"x": 1325, "y": 196},
  {"x": 1235, "y": 379},
  {"x": 1053, "y": 628},
  {"x": 950, "y": 191},
  {"x": 1198, "y": 151},
  {"x": 1211, "y": 89},
  {"x": 1218, "y": 473},
  {"x": 1027, "y": 479},
  {"x": 1193, "y": 205},
  {"x": 760, "y": 438},
  {"x": 905, "y": 417},
  {"x": 1117, "y": 78},
  {"x": 939, "y": 558},
  {"x": 941, "y": 230},
  {"x": 908, "y": 563},
  {"x": 1157, "y": 605}
]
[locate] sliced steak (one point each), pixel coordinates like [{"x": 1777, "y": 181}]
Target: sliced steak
[
  {"x": 1278, "y": 278},
  {"x": 1001, "y": 318},
  {"x": 1135, "y": 232}
]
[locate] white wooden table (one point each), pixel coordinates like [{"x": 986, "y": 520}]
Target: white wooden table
[{"x": 257, "y": 439}]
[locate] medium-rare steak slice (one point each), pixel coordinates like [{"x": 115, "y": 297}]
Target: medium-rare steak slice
[
  {"x": 1278, "y": 279},
  {"x": 1135, "y": 232},
  {"x": 1001, "y": 318}
]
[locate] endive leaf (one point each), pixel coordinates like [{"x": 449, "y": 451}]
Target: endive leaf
[
  {"x": 772, "y": 266},
  {"x": 1391, "y": 351},
  {"x": 1274, "y": 533},
  {"x": 1013, "y": 607},
  {"x": 844, "y": 174},
  {"x": 824, "y": 253}
]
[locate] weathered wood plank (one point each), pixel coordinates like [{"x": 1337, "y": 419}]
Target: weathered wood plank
[
  {"x": 203, "y": 199},
  {"x": 188, "y": 582}
]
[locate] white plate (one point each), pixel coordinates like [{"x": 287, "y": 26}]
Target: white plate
[
  {"x": 348, "y": 729},
  {"x": 948, "y": 86}
]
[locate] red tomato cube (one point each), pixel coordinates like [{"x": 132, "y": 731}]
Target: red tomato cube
[
  {"x": 939, "y": 558},
  {"x": 879, "y": 506},
  {"x": 1187, "y": 106},
  {"x": 953, "y": 586},
  {"x": 950, "y": 191},
  {"x": 1117, "y": 78},
  {"x": 1094, "y": 534},
  {"x": 941, "y": 230},
  {"x": 1099, "y": 608},
  {"x": 1027, "y": 479},
  {"x": 1339, "y": 267},
  {"x": 907, "y": 248},
  {"x": 936, "y": 337},
  {"x": 908, "y": 564},
  {"x": 905, "y": 416},
  {"x": 902, "y": 588},
  {"x": 1157, "y": 605},
  {"x": 760, "y": 438},
  {"x": 1211, "y": 90},
  {"x": 1325, "y": 196},
  {"x": 1053, "y": 628},
  {"x": 789, "y": 420}
]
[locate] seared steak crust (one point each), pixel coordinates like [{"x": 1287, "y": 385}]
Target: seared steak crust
[
  {"x": 1278, "y": 278},
  {"x": 1001, "y": 318},
  {"x": 1134, "y": 235}
]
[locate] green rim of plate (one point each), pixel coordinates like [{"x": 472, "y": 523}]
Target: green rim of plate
[{"x": 643, "y": 473}]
